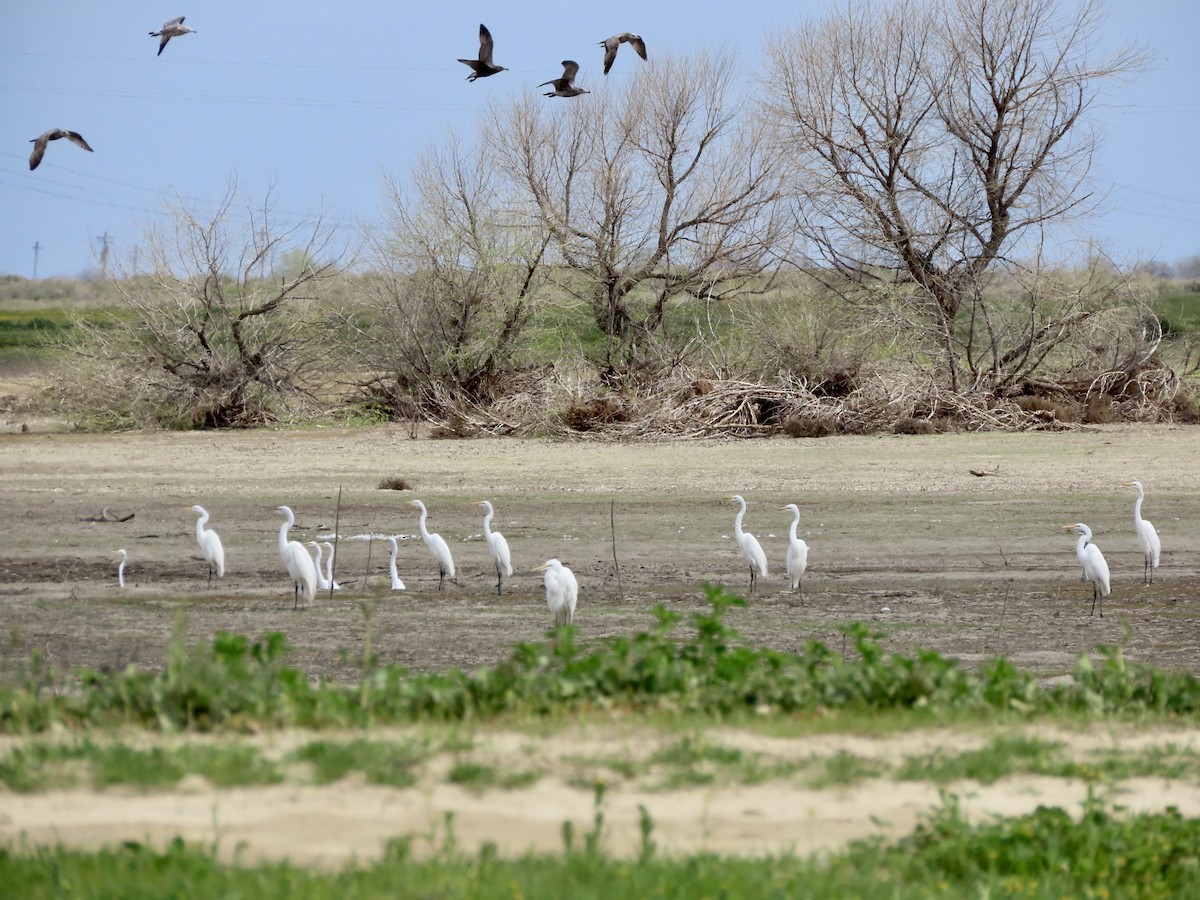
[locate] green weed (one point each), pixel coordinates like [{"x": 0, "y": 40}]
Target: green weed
[{"x": 380, "y": 762}]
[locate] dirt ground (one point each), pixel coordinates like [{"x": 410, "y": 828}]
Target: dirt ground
[{"x": 902, "y": 537}]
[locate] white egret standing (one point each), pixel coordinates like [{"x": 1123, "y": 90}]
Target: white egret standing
[
  {"x": 497, "y": 545},
  {"x": 296, "y": 560},
  {"x": 397, "y": 584},
  {"x": 562, "y": 591},
  {"x": 1095, "y": 567},
  {"x": 1147, "y": 537},
  {"x": 329, "y": 568},
  {"x": 748, "y": 545},
  {"x": 438, "y": 548},
  {"x": 121, "y": 567},
  {"x": 322, "y": 581},
  {"x": 210, "y": 544},
  {"x": 797, "y": 554}
]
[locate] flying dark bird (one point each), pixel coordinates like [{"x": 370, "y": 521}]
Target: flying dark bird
[
  {"x": 611, "y": 44},
  {"x": 40, "y": 142},
  {"x": 171, "y": 29},
  {"x": 565, "y": 86},
  {"x": 483, "y": 67}
]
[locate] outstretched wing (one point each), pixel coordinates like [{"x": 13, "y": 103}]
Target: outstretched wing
[
  {"x": 610, "y": 53},
  {"x": 77, "y": 139},
  {"x": 174, "y": 22},
  {"x": 485, "y": 44},
  {"x": 39, "y": 150},
  {"x": 639, "y": 45},
  {"x": 570, "y": 70}
]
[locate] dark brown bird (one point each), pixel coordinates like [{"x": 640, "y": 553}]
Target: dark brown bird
[
  {"x": 483, "y": 67},
  {"x": 611, "y": 44},
  {"x": 171, "y": 29},
  {"x": 40, "y": 142},
  {"x": 565, "y": 86}
]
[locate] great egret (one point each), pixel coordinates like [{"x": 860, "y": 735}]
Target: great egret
[
  {"x": 329, "y": 568},
  {"x": 483, "y": 66},
  {"x": 497, "y": 545},
  {"x": 1147, "y": 537},
  {"x": 1095, "y": 568},
  {"x": 171, "y": 29},
  {"x": 438, "y": 548},
  {"x": 210, "y": 544},
  {"x": 121, "y": 567},
  {"x": 611, "y": 44},
  {"x": 322, "y": 580},
  {"x": 397, "y": 584},
  {"x": 562, "y": 591},
  {"x": 296, "y": 560},
  {"x": 797, "y": 555},
  {"x": 748, "y": 545}
]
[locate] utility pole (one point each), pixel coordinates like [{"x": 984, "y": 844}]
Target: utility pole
[
  {"x": 104, "y": 240},
  {"x": 37, "y": 248}
]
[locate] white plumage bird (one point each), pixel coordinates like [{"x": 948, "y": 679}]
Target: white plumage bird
[
  {"x": 122, "y": 555},
  {"x": 438, "y": 548},
  {"x": 296, "y": 560},
  {"x": 797, "y": 554},
  {"x": 562, "y": 591},
  {"x": 397, "y": 584},
  {"x": 210, "y": 544},
  {"x": 497, "y": 545},
  {"x": 1147, "y": 536},
  {"x": 748, "y": 545},
  {"x": 1095, "y": 567}
]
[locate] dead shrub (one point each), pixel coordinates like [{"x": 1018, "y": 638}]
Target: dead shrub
[
  {"x": 394, "y": 483},
  {"x": 1061, "y": 409},
  {"x": 1101, "y": 409},
  {"x": 595, "y": 414},
  {"x": 909, "y": 425},
  {"x": 809, "y": 426}
]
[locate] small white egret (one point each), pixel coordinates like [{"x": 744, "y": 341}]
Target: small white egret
[
  {"x": 1095, "y": 567},
  {"x": 121, "y": 567},
  {"x": 497, "y": 545},
  {"x": 397, "y": 584},
  {"x": 322, "y": 581},
  {"x": 1147, "y": 536},
  {"x": 797, "y": 554},
  {"x": 562, "y": 591},
  {"x": 210, "y": 544},
  {"x": 329, "y": 568},
  {"x": 748, "y": 545},
  {"x": 296, "y": 560},
  {"x": 438, "y": 548}
]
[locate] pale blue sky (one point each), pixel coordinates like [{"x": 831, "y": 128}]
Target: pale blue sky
[{"x": 323, "y": 98}]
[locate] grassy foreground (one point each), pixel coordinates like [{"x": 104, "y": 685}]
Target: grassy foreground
[
  {"x": 715, "y": 672},
  {"x": 1045, "y": 854}
]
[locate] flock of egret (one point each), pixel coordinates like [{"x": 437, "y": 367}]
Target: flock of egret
[{"x": 562, "y": 588}]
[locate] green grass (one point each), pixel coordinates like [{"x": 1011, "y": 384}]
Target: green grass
[
  {"x": 478, "y": 777},
  {"x": 713, "y": 672},
  {"x": 1179, "y": 313},
  {"x": 1107, "y": 852},
  {"x": 380, "y": 762},
  {"x": 41, "y": 766}
]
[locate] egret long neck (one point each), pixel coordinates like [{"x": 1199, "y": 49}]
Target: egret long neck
[
  {"x": 1137, "y": 507},
  {"x": 1081, "y": 544},
  {"x": 421, "y": 524},
  {"x": 283, "y": 530},
  {"x": 200, "y": 522},
  {"x": 792, "y": 530},
  {"x": 737, "y": 520}
]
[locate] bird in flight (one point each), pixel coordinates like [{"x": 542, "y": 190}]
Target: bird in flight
[
  {"x": 611, "y": 44},
  {"x": 483, "y": 67},
  {"x": 40, "y": 142},
  {"x": 565, "y": 86},
  {"x": 171, "y": 29}
]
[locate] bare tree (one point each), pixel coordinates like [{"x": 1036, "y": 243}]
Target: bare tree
[
  {"x": 211, "y": 338},
  {"x": 652, "y": 192},
  {"x": 455, "y": 280},
  {"x": 930, "y": 143}
]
